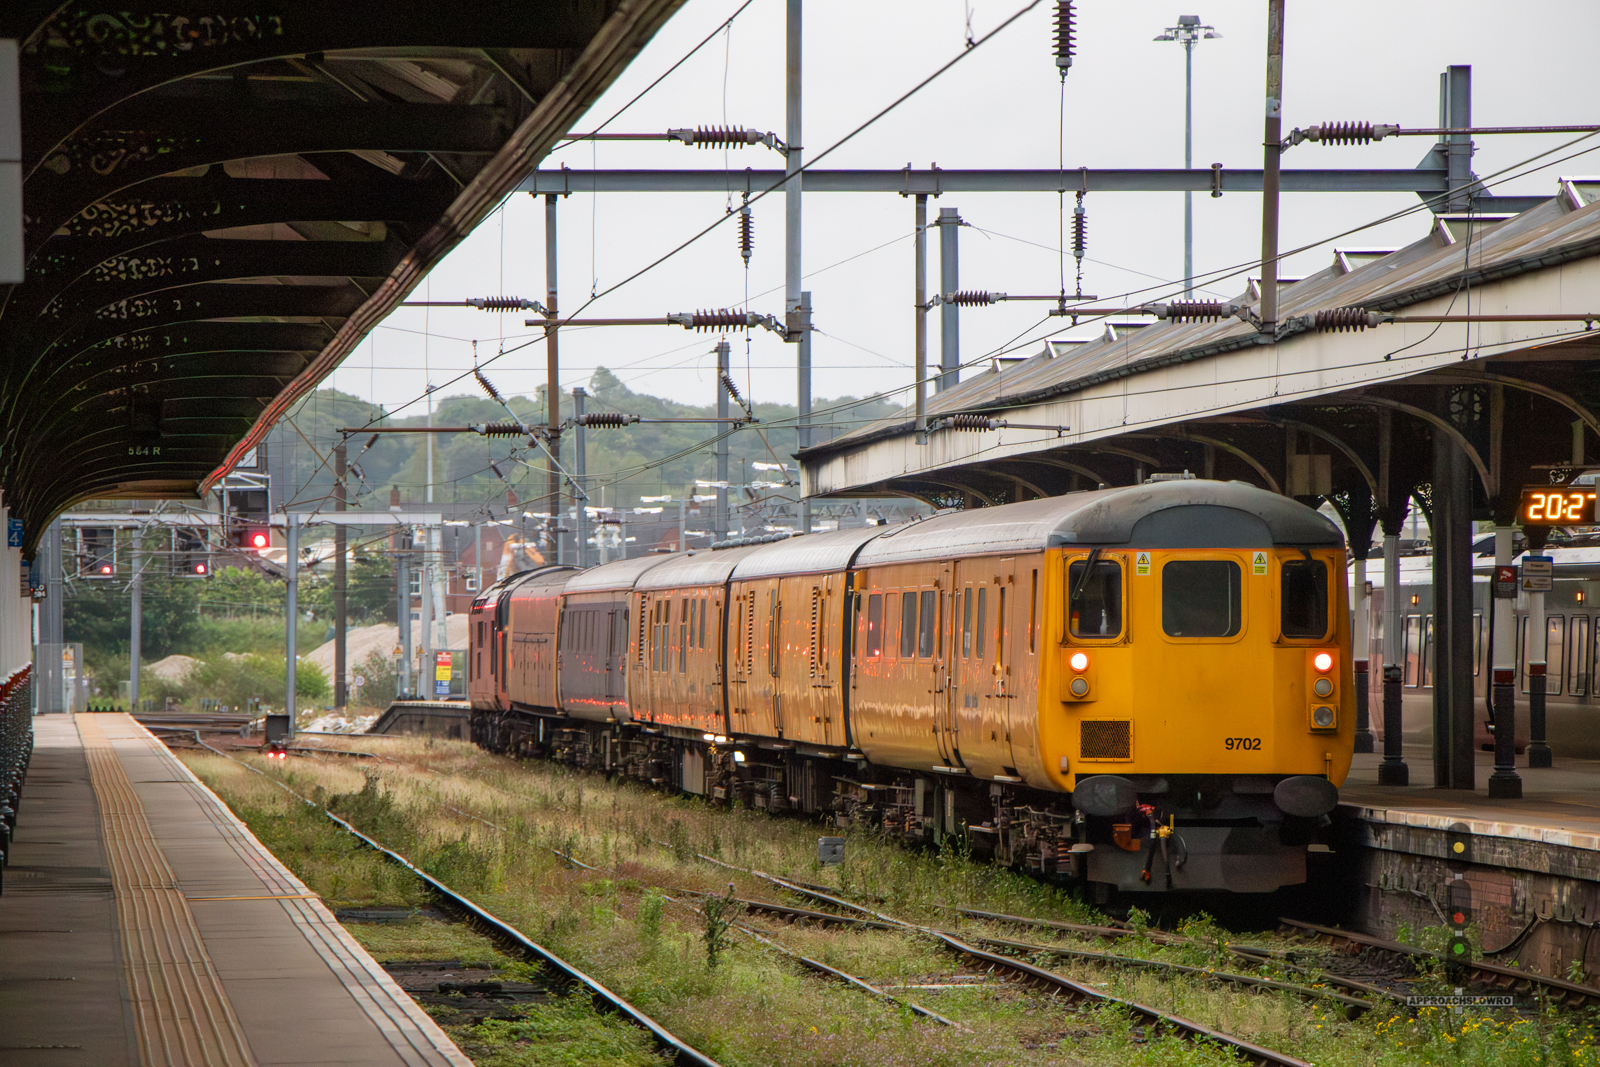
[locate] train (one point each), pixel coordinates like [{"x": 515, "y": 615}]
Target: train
[
  {"x": 1572, "y": 610},
  {"x": 1146, "y": 688}
]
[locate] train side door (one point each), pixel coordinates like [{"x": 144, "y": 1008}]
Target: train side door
[
  {"x": 822, "y": 649},
  {"x": 981, "y": 633},
  {"x": 616, "y": 653},
  {"x": 932, "y": 644},
  {"x": 738, "y": 659},
  {"x": 774, "y": 653}
]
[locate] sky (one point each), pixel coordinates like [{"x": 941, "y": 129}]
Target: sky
[{"x": 1002, "y": 106}]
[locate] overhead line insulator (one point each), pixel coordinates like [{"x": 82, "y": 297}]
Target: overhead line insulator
[
  {"x": 494, "y": 394},
  {"x": 1344, "y": 320},
  {"x": 747, "y": 234},
  {"x": 606, "y": 420},
  {"x": 971, "y": 422},
  {"x": 1343, "y": 133},
  {"x": 505, "y": 303},
  {"x": 500, "y": 429},
  {"x": 1192, "y": 311},
  {"x": 1066, "y": 35},
  {"x": 718, "y": 136},
  {"x": 1080, "y": 229},
  {"x": 718, "y": 319},
  {"x": 966, "y": 298}
]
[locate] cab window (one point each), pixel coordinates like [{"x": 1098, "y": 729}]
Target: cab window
[
  {"x": 1303, "y": 596},
  {"x": 1200, "y": 598},
  {"x": 1095, "y": 604}
]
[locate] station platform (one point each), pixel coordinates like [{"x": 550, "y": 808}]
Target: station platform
[
  {"x": 142, "y": 924},
  {"x": 1532, "y": 864}
]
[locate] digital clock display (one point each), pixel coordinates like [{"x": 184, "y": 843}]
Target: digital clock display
[{"x": 1558, "y": 507}]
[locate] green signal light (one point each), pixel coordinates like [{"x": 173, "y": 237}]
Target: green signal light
[{"x": 1459, "y": 948}]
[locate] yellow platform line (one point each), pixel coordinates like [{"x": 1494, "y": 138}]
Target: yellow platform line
[
  {"x": 262, "y": 896},
  {"x": 181, "y": 1011}
]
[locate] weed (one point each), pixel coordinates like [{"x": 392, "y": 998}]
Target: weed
[
  {"x": 649, "y": 921},
  {"x": 719, "y": 913}
]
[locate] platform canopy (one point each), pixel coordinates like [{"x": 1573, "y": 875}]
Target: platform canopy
[
  {"x": 1350, "y": 417},
  {"x": 221, "y": 201}
]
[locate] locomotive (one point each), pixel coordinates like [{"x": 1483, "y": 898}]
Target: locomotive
[{"x": 1146, "y": 688}]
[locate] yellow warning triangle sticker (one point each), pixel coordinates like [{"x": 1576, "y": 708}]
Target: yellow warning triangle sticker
[
  {"x": 1141, "y": 563},
  {"x": 1258, "y": 563}
]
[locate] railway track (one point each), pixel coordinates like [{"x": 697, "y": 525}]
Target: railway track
[
  {"x": 1150, "y": 1020},
  {"x": 1248, "y": 953},
  {"x": 564, "y": 973},
  {"x": 1480, "y": 973}
]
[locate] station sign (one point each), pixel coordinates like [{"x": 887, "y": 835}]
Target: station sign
[
  {"x": 14, "y": 532},
  {"x": 1538, "y": 574},
  {"x": 1505, "y": 583},
  {"x": 1558, "y": 506},
  {"x": 442, "y": 663}
]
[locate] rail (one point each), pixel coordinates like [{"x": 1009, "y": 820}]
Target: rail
[
  {"x": 683, "y": 1054},
  {"x": 1059, "y": 985},
  {"x": 1567, "y": 994}
]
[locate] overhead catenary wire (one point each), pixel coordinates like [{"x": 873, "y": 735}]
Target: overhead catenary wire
[{"x": 1482, "y": 182}]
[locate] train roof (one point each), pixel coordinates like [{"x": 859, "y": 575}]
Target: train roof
[
  {"x": 550, "y": 578},
  {"x": 620, "y": 574},
  {"x": 831, "y": 551},
  {"x": 1213, "y": 515},
  {"x": 698, "y": 566}
]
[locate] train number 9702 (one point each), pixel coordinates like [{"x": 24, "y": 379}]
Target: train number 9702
[{"x": 1242, "y": 744}]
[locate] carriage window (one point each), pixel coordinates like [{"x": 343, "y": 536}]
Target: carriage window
[
  {"x": 1303, "y": 598},
  {"x": 1477, "y": 643},
  {"x": 980, "y": 623},
  {"x": 1200, "y": 598},
  {"x": 1096, "y": 610},
  {"x": 929, "y": 621},
  {"x": 1578, "y": 661},
  {"x": 1555, "y": 640},
  {"x": 1033, "y": 610},
  {"x": 966, "y": 623},
  {"x": 1000, "y": 629},
  {"x": 908, "y": 625},
  {"x": 875, "y": 624}
]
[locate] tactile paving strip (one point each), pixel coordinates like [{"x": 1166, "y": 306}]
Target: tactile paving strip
[{"x": 181, "y": 1011}]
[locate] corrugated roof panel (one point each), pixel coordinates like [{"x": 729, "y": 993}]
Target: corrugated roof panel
[
  {"x": 697, "y": 567},
  {"x": 619, "y": 575},
  {"x": 1434, "y": 260},
  {"x": 831, "y": 551}
]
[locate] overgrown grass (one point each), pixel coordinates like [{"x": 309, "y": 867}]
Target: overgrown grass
[{"x": 757, "y": 1007}]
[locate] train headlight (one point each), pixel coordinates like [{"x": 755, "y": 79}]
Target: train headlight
[
  {"x": 1323, "y": 687},
  {"x": 1079, "y": 662},
  {"x": 1079, "y": 687},
  {"x": 1323, "y": 717},
  {"x": 1322, "y": 662}
]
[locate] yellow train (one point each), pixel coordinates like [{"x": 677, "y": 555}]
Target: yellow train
[{"x": 1145, "y": 687}]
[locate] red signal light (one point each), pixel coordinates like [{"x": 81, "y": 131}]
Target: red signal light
[
  {"x": 200, "y": 568},
  {"x": 259, "y": 539},
  {"x": 105, "y": 568},
  {"x": 1322, "y": 662}
]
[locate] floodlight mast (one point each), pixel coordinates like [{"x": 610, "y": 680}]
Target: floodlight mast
[{"x": 1188, "y": 32}]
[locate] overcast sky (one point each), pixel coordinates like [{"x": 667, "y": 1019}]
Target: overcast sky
[{"x": 1352, "y": 61}]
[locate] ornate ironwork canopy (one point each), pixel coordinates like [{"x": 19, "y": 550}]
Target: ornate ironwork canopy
[{"x": 221, "y": 200}]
